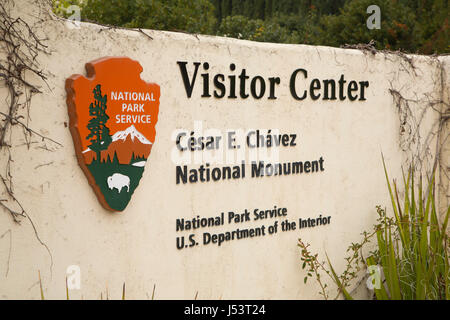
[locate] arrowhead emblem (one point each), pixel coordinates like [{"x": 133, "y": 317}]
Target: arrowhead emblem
[{"x": 112, "y": 118}]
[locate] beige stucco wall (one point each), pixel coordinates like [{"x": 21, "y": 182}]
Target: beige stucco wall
[{"x": 138, "y": 246}]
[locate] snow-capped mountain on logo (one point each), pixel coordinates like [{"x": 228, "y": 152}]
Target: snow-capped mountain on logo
[
  {"x": 130, "y": 131},
  {"x": 125, "y": 144}
]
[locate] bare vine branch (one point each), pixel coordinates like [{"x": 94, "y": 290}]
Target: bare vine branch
[{"x": 22, "y": 78}]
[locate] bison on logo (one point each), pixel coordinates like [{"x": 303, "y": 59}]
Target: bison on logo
[{"x": 113, "y": 114}]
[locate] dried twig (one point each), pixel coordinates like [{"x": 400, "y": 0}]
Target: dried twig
[{"x": 20, "y": 46}]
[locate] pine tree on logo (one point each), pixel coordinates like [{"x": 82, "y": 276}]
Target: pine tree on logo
[{"x": 99, "y": 136}]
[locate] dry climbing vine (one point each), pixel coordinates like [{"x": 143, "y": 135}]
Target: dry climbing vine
[
  {"x": 413, "y": 111},
  {"x": 21, "y": 78},
  {"x": 411, "y": 140}
]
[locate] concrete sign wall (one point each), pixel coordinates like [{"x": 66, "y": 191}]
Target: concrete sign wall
[{"x": 254, "y": 145}]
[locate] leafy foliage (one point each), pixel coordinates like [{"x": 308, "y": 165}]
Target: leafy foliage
[
  {"x": 255, "y": 29},
  {"x": 399, "y": 27},
  {"x": 195, "y": 16},
  {"x": 412, "y": 249},
  {"x": 411, "y": 25}
]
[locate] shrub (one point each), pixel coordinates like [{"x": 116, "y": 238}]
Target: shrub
[{"x": 412, "y": 249}]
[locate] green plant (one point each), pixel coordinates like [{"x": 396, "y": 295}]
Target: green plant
[
  {"x": 241, "y": 27},
  {"x": 412, "y": 249},
  {"x": 195, "y": 16}
]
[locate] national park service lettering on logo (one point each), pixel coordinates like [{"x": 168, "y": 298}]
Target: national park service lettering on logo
[{"x": 113, "y": 113}]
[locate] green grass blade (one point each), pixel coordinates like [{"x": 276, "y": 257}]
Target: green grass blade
[
  {"x": 383, "y": 255},
  {"x": 443, "y": 250},
  {"x": 424, "y": 228},
  {"x": 444, "y": 227},
  {"x": 420, "y": 286},
  {"x": 338, "y": 282},
  {"x": 406, "y": 213},
  {"x": 394, "y": 205},
  {"x": 393, "y": 271},
  {"x": 447, "y": 275}
]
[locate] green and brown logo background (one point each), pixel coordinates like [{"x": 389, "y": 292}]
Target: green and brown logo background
[{"x": 113, "y": 113}]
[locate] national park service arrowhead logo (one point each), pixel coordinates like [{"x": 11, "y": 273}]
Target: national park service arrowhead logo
[{"x": 113, "y": 113}]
